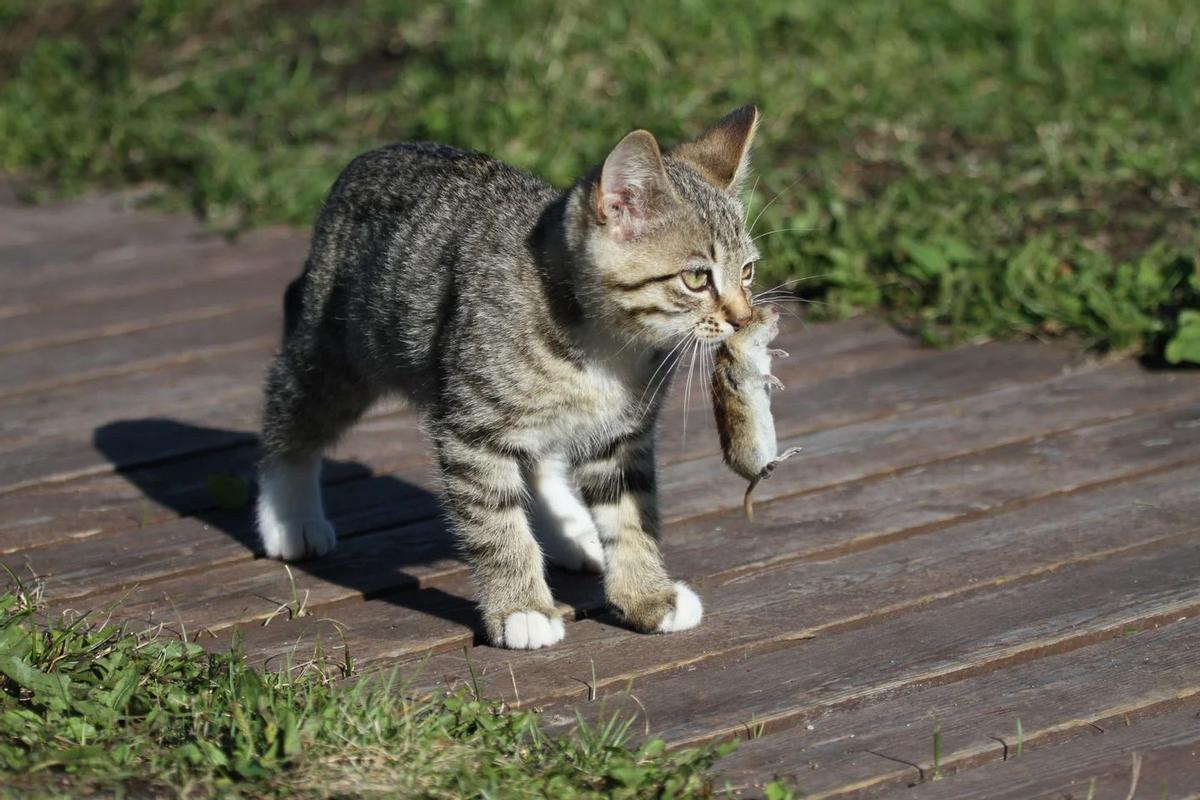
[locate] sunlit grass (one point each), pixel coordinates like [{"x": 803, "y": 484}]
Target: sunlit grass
[{"x": 977, "y": 167}]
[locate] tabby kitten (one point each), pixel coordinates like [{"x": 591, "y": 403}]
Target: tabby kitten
[{"x": 532, "y": 327}]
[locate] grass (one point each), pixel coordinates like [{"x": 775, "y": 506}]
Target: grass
[
  {"x": 976, "y": 168},
  {"x": 95, "y": 710}
]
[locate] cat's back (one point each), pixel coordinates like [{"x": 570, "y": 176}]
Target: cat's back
[
  {"x": 443, "y": 184},
  {"x": 412, "y": 236}
]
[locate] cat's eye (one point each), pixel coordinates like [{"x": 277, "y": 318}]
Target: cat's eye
[
  {"x": 748, "y": 272},
  {"x": 696, "y": 279}
]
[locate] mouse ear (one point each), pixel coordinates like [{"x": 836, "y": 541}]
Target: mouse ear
[
  {"x": 633, "y": 190},
  {"x": 722, "y": 153}
]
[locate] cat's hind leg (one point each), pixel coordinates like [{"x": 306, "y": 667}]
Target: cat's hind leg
[
  {"x": 291, "y": 518},
  {"x": 309, "y": 403},
  {"x": 561, "y": 522}
]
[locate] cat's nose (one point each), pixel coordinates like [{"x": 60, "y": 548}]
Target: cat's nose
[{"x": 739, "y": 321}]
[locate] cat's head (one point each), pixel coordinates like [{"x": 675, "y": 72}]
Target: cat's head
[{"x": 666, "y": 234}]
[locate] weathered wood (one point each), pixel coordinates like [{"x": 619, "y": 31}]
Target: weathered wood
[
  {"x": 37, "y": 463},
  {"x": 968, "y": 531},
  {"x": 38, "y": 372},
  {"x": 855, "y": 515},
  {"x": 879, "y": 747},
  {"x": 1094, "y": 764},
  {"x": 129, "y": 270},
  {"x": 48, "y": 513},
  {"x": 183, "y": 547},
  {"x": 157, "y": 392},
  {"x": 828, "y": 524},
  {"x": 260, "y": 288},
  {"x": 773, "y": 690},
  {"x": 792, "y": 601},
  {"x": 372, "y": 441},
  {"x": 214, "y": 411},
  {"x": 34, "y": 236},
  {"x": 162, "y": 557},
  {"x": 940, "y": 430},
  {"x": 894, "y": 386}
]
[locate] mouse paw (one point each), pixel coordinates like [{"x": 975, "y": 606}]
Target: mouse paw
[
  {"x": 774, "y": 383},
  {"x": 775, "y": 352}
]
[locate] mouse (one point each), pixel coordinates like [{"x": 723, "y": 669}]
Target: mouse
[{"x": 741, "y": 390}]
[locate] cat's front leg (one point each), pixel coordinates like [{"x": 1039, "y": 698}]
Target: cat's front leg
[
  {"x": 484, "y": 489},
  {"x": 618, "y": 486},
  {"x": 561, "y": 522}
]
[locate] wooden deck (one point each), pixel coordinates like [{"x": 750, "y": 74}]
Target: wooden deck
[{"x": 971, "y": 538}]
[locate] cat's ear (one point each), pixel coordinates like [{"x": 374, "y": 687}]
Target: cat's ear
[
  {"x": 722, "y": 153},
  {"x": 633, "y": 189}
]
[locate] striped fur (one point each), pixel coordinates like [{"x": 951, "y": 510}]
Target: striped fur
[{"x": 535, "y": 329}]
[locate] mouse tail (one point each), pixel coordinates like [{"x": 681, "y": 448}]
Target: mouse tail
[{"x": 748, "y": 499}]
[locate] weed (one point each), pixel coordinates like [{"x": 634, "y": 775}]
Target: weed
[
  {"x": 97, "y": 709},
  {"x": 937, "y": 748}
]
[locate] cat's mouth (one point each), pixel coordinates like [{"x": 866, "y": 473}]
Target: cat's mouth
[{"x": 712, "y": 331}]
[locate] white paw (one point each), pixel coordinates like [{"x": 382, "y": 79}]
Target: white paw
[
  {"x": 291, "y": 520},
  {"x": 578, "y": 550},
  {"x": 293, "y": 539},
  {"x": 561, "y": 522},
  {"x": 687, "y": 612},
  {"x": 530, "y": 630}
]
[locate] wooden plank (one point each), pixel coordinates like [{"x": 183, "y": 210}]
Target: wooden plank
[
  {"x": 820, "y": 356},
  {"x": 838, "y": 521},
  {"x": 27, "y": 224},
  {"x": 785, "y": 604},
  {"x": 132, "y": 270},
  {"x": 859, "y": 514},
  {"x": 879, "y": 747},
  {"x": 259, "y": 287},
  {"x": 58, "y": 459},
  {"x": 776, "y": 689},
  {"x": 741, "y": 615},
  {"x": 49, "y": 513},
  {"x": 669, "y": 505},
  {"x": 160, "y": 570},
  {"x": 1095, "y": 764},
  {"x": 895, "y": 386},
  {"x": 180, "y": 547},
  {"x": 189, "y": 534},
  {"x": 38, "y": 372},
  {"x": 205, "y": 404},
  {"x": 941, "y": 430}
]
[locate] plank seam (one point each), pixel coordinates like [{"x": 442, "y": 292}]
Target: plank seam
[
  {"x": 123, "y": 328},
  {"x": 1162, "y": 702},
  {"x": 1013, "y": 655}
]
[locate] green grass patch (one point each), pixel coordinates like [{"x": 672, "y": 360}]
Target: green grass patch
[
  {"x": 978, "y": 168},
  {"x": 93, "y": 709}
]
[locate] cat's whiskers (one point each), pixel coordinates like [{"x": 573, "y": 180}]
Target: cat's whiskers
[
  {"x": 707, "y": 365},
  {"x": 793, "y": 281},
  {"x": 683, "y": 339},
  {"x": 753, "y": 191},
  {"x": 783, "y": 230},
  {"x": 662, "y": 382},
  {"x": 687, "y": 389},
  {"x": 773, "y": 300},
  {"x": 763, "y": 210}
]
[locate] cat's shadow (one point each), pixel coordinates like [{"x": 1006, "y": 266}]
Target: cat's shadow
[{"x": 388, "y": 527}]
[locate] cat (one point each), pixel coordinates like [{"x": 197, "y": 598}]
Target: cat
[{"x": 533, "y": 328}]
